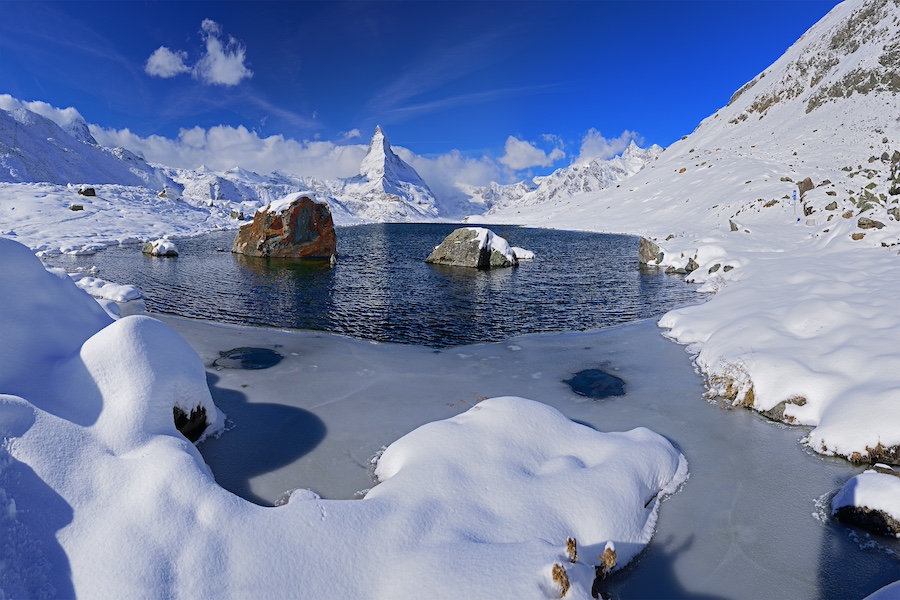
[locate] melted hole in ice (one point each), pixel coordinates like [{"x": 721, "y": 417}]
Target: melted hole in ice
[
  {"x": 248, "y": 358},
  {"x": 594, "y": 383},
  {"x": 193, "y": 426}
]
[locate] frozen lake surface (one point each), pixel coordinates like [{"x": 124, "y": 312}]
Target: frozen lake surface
[
  {"x": 751, "y": 521},
  {"x": 381, "y": 289}
]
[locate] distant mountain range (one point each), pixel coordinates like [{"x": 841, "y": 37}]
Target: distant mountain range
[{"x": 34, "y": 148}]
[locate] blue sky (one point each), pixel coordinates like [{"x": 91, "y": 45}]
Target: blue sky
[{"x": 438, "y": 76}]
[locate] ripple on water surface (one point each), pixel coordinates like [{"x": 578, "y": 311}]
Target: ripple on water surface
[{"x": 381, "y": 289}]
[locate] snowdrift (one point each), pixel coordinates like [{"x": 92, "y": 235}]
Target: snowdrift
[{"x": 103, "y": 497}]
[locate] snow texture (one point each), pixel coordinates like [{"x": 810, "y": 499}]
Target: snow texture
[
  {"x": 802, "y": 326},
  {"x": 90, "y": 405}
]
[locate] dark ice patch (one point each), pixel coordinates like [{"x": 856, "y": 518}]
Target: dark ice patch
[
  {"x": 248, "y": 358},
  {"x": 594, "y": 383}
]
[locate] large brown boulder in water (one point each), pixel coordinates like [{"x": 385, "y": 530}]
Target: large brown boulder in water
[{"x": 294, "y": 227}]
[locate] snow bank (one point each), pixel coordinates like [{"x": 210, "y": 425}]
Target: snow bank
[
  {"x": 494, "y": 492},
  {"x": 44, "y": 318},
  {"x": 105, "y": 290}
]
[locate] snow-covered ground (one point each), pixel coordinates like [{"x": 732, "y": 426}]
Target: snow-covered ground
[
  {"x": 803, "y": 328},
  {"x": 87, "y": 411}
]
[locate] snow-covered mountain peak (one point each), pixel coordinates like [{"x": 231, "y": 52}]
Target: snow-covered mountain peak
[
  {"x": 578, "y": 178},
  {"x": 387, "y": 188},
  {"x": 382, "y": 163}
]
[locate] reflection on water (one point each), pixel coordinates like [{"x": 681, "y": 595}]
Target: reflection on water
[{"x": 381, "y": 288}]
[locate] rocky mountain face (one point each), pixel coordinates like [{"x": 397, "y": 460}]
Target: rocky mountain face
[{"x": 578, "y": 178}]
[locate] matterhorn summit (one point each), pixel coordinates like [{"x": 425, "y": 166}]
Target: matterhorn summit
[{"x": 387, "y": 188}]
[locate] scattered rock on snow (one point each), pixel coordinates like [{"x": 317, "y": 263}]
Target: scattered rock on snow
[
  {"x": 649, "y": 252},
  {"x": 87, "y": 191},
  {"x": 191, "y": 426},
  {"x": 866, "y": 223},
  {"x": 805, "y": 186}
]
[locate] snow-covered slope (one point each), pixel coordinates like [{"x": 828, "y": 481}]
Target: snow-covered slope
[
  {"x": 387, "y": 188},
  {"x": 35, "y": 149},
  {"x": 804, "y": 325},
  {"x": 562, "y": 184}
]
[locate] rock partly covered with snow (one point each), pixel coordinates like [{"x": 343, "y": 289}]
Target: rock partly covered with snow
[
  {"x": 869, "y": 500},
  {"x": 475, "y": 247},
  {"x": 297, "y": 226},
  {"x": 160, "y": 247}
]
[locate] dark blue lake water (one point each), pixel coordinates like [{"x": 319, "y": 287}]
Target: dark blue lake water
[{"x": 381, "y": 289}]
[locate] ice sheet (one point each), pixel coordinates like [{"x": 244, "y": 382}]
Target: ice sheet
[{"x": 750, "y": 522}]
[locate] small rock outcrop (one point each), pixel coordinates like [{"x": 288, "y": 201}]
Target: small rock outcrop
[
  {"x": 649, "y": 252},
  {"x": 294, "y": 227},
  {"x": 87, "y": 191},
  {"x": 160, "y": 248},
  {"x": 473, "y": 247},
  {"x": 866, "y": 223},
  {"x": 866, "y": 501},
  {"x": 805, "y": 186}
]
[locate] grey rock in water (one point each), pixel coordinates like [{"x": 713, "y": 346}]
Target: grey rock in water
[
  {"x": 462, "y": 248},
  {"x": 648, "y": 252}
]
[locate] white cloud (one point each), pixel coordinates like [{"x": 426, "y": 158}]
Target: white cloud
[
  {"x": 223, "y": 61},
  {"x": 447, "y": 174},
  {"x": 224, "y": 147},
  {"x": 521, "y": 154},
  {"x": 595, "y": 146},
  {"x": 165, "y": 63},
  {"x": 221, "y": 148},
  {"x": 352, "y": 134}
]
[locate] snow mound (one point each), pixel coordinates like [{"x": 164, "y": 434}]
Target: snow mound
[{"x": 494, "y": 492}]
